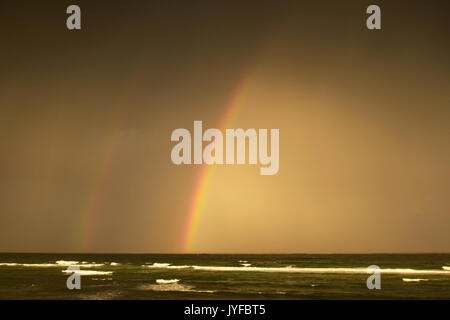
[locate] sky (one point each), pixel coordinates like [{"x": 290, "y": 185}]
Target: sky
[{"x": 86, "y": 118}]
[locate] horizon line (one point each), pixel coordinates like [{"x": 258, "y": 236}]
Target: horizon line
[{"x": 221, "y": 253}]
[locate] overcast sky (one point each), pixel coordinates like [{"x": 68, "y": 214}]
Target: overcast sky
[{"x": 86, "y": 118}]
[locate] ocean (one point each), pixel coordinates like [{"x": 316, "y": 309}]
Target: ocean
[{"x": 224, "y": 276}]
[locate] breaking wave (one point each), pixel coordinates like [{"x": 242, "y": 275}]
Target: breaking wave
[
  {"x": 59, "y": 263},
  {"x": 89, "y": 272},
  {"x": 291, "y": 269},
  {"x": 38, "y": 265},
  {"x": 163, "y": 281},
  {"x": 172, "y": 285},
  {"x": 414, "y": 280},
  {"x": 156, "y": 264},
  {"x": 67, "y": 263},
  {"x": 76, "y": 263}
]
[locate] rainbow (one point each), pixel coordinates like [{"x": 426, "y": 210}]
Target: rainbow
[
  {"x": 91, "y": 211},
  {"x": 202, "y": 183}
]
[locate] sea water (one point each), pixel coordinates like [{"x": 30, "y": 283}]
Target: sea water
[{"x": 224, "y": 276}]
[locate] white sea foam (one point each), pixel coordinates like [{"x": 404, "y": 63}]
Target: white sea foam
[
  {"x": 166, "y": 287},
  {"x": 246, "y": 264},
  {"x": 37, "y": 265},
  {"x": 414, "y": 280},
  {"x": 59, "y": 263},
  {"x": 115, "y": 264},
  {"x": 446, "y": 268},
  {"x": 165, "y": 266},
  {"x": 291, "y": 269},
  {"x": 66, "y": 263},
  {"x": 75, "y": 263},
  {"x": 173, "y": 287},
  {"x": 89, "y": 272},
  {"x": 92, "y": 265},
  {"x": 163, "y": 281},
  {"x": 156, "y": 264}
]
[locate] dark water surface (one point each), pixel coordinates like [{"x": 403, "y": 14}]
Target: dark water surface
[{"x": 160, "y": 276}]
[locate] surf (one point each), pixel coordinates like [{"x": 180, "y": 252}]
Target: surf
[{"x": 290, "y": 269}]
